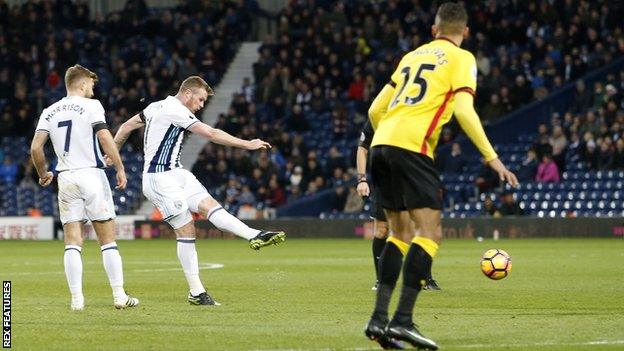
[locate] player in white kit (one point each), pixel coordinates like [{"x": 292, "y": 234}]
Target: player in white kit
[
  {"x": 175, "y": 191},
  {"x": 75, "y": 124}
]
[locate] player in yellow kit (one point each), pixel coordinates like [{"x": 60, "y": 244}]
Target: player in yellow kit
[{"x": 430, "y": 84}]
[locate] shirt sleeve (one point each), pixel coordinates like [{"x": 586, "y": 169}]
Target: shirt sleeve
[
  {"x": 367, "y": 135},
  {"x": 43, "y": 125},
  {"x": 183, "y": 119},
  {"x": 465, "y": 74},
  {"x": 97, "y": 115}
]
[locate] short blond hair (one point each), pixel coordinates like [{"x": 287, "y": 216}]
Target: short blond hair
[
  {"x": 196, "y": 82},
  {"x": 451, "y": 18},
  {"x": 76, "y": 73}
]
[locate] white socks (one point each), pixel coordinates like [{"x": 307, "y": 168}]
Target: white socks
[
  {"x": 73, "y": 271},
  {"x": 190, "y": 264},
  {"x": 223, "y": 220},
  {"x": 114, "y": 269}
]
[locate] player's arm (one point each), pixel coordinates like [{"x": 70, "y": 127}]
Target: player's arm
[
  {"x": 470, "y": 123},
  {"x": 221, "y": 137},
  {"x": 137, "y": 121},
  {"x": 380, "y": 104},
  {"x": 360, "y": 163},
  {"x": 39, "y": 159},
  {"x": 110, "y": 149},
  {"x": 366, "y": 137}
]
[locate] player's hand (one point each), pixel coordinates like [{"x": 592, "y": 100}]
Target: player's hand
[
  {"x": 108, "y": 160},
  {"x": 363, "y": 189},
  {"x": 256, "y": 144},
  {"x": 121, "y": 179},
  {"x": 504, "y": 174},
  {"x": 47, "y": 179}
]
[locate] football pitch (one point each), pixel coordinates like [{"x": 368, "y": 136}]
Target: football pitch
[{"x": 315, "y": 294}]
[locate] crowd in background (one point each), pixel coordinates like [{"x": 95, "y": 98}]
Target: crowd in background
[
  {"x": 333, "y": 57},
  {"x": 314, "y": 79},
  {"x": 140, "y": 56}
]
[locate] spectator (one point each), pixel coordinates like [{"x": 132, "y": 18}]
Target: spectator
[
  {"x": 590, "y": 155},
  {"x": 547, "y": 170},
  {"x": 558, "y": 142},
  {"x": 246, "y": 197},
  {"x": 605, "y": 156},
  {"x": 528, "y": 169},
  {"x": 509, "y": 207},
  {"x": 542, "y": 141},
  {"x": 294, "y": 194},
  {"x": 489, "y": 208},
  {"x": 335, "y": 160},
  {"x": 8, "y": 170},
  {"x": 276, "y": 194},
  {"x": 582, "y": 97},
  {"x": 618, "y": 155},
  {"x": 492, "y": 110},
  {"x": 487, "y": 179},
  {"x": 340, "y": 199},
  {"x": 296, "y": 177},
  {"x": 354, "y": 203},
  {"x": 455, "y": 162}
]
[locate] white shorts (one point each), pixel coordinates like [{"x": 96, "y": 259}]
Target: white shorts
[
  {"x": 85, "y": 194},
  {"x": 174, "y": 191}
]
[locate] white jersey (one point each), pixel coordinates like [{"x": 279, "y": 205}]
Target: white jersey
[
  {"x": 72, "y": 123},
  {"x": 165, "y": 123}
]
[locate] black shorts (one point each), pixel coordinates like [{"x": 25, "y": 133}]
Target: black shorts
[{"x": 404, "y": 180}]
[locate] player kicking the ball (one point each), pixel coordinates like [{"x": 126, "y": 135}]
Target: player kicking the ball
[
  {"x": 75, "y": 124},
  {"x": 175, "y": 191}
]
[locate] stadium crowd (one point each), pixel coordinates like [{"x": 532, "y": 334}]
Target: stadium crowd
[
  {"x": 140, "y": 55},
  {"x": 524, "y": 51},
  {"x": 313, "y": 82}
]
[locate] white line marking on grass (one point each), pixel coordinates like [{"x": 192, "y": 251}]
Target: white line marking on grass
[
  {"x": 201, "y": 266},
  {"x": 541, "y": 344},
  {"x": 476, "y": 346}
]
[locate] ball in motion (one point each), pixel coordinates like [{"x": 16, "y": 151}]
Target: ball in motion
[{"x": 496, "y": 264}]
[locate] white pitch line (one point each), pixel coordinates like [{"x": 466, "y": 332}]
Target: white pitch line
[
  {"x": 202, "y": 266},
  {"x": 542, "y": 344},
  {"x": 475, "y": 346}
]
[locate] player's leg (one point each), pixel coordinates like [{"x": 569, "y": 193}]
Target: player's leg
[
  {"x": 72, "y": 260},
  {"x": 431, "y": 284},
  {"x": 100, "y": 209},
  {"x": 391, "y": 261},
  {"x": 166, "y": 191},
  {"x": 418, "y": 184},
  {"x": 199, "y": 200},
  {"x": 380, "y": 229},
  {"x": 392, "y": 254},
  {"x": 416, "y": 268},
  {"x": 72, "y": 213},
  {"x": 184, "y": 228},
  {"x": 380, "y": 232},
  {"x": 113, "y": 265}
]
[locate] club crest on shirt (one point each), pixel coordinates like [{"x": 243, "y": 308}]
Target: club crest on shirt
[{"x": 178, "y": 204}]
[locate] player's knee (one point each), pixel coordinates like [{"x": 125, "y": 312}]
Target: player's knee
[
  {"x": 206, "y": 205},
  {"x": 180, "y": 220},
  {"x": 74, "y": 240}
]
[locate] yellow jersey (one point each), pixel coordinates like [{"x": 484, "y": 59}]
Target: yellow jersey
[{"x": 424, "y": 83}]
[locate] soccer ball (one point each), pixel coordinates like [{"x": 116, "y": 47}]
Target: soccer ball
[{"x": 496, "y": 264}]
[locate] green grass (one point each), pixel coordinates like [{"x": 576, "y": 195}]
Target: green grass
[{"x": 307, "y": 294}]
